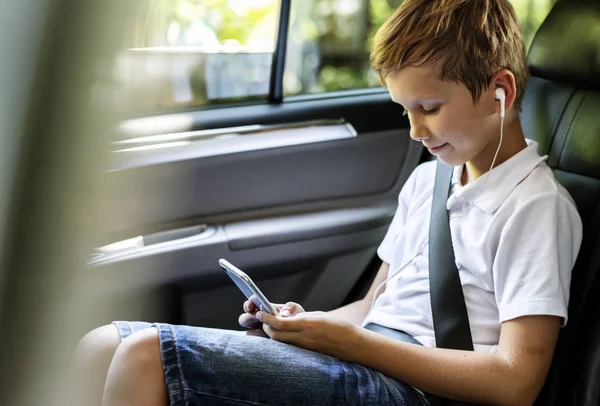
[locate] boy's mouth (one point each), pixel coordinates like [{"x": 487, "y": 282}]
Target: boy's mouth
[{"x": 435, "y": 150}]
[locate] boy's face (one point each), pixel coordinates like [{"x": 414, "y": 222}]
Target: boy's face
[{"x": 443, "y": 117}]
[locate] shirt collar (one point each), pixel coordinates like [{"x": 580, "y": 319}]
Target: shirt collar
[{"x": 504, "y": 178}]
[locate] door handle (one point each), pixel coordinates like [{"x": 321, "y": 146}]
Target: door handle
[{"x": 139, "y": 243}]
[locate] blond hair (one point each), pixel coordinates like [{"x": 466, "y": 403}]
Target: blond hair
[{"x": 471, "y": 39}]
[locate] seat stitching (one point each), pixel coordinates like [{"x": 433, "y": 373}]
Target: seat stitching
[
  {"x": 229, "y": 399},
  {"x": 562, "y": 113},
  {"x": 179, "y": 379},
  {"x": 568, "y": 131}
]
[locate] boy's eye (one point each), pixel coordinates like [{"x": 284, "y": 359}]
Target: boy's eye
[{"x": 431, "y": 111}]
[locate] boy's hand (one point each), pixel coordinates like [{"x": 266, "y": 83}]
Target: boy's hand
[
  {"x": 316, "y": 331},
  {"x": 289, "y": 309},
  {"x": 248, "y": 318}
]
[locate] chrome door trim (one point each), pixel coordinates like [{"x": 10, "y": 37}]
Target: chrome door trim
[
  {"x": 189, "y": 136},
  {"x": 157, "y": 149}
]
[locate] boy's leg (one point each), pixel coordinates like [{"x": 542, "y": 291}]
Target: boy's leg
[
  {"x": 216, "y": 367},
  {"x": 135, "y": 376},
  {"x": 90, "y": 365}
]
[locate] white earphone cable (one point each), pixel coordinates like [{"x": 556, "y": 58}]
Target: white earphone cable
[
  {"x": 426, "y": 240},
  {"x": 489, "y": 172},
  {"x": 401, "y": 267}
]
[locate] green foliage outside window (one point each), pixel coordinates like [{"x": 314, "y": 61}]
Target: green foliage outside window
[
  {"x": 184, "y": 53},
  {"x": 531, "y": 14}
]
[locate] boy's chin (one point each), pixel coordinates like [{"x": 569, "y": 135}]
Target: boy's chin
[{"x": 451, "y": 161}]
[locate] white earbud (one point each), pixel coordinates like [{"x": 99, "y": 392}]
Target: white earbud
[{"x": 500, "y": 95}]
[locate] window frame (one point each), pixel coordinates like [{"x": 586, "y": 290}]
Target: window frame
[{"x": 275, "y": 95}]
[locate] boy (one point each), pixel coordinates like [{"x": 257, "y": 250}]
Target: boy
[{"x": 515, "y": 240}]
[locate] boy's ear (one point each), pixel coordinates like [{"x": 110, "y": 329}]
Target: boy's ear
[{"x": 505, "y": 80}]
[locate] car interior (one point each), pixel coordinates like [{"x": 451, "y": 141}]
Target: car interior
[
  {"x": 558, "y": 110},
  {"x": 299, "y": 192}
]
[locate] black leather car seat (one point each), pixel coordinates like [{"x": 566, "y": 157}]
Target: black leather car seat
[{"x": 561, "y": 110}]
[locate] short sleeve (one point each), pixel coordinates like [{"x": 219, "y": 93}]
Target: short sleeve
[
  {"x": 537, "y": 250},
  {"x": 386, "y": 248}
]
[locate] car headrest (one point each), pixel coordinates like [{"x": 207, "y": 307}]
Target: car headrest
[{"x": 566, "y": 47}]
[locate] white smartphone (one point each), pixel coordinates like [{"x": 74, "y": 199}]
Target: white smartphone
[{"x": 248, "y": 287}]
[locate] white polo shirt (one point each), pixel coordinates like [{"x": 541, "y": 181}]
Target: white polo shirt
[{"x": 514, "y": 249}]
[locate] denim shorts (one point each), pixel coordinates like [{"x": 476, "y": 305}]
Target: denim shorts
[{"x": 204, "y": 366}]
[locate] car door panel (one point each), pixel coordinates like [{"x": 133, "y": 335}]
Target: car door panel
[
  {"x": 321, "y": 285},
  {"x": 272, "y": 177},
  {"x": 299, "y": 197}
]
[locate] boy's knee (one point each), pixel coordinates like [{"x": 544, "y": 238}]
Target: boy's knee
[
  {"x": 141, "y": 349},
  {"x": 98, "y": 346},
  {"x": 136, "y": 374},
  {"x": 90, "y": 364}
]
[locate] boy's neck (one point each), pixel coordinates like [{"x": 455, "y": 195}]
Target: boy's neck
[{"x": 513, "y": 142}]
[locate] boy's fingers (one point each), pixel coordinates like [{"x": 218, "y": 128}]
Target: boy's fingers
[
  {"x": 290, "y": 309},
  {"x": 279, "y": 323},
  {"x": 289, "y": 337},
  {"x": 294, "y": 308},
  {"x": 278, "y": 306},
  {"x": 249, "y": 306},
  {"x": 248, "y": 321}
]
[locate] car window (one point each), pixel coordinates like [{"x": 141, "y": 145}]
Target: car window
[
  {"x": 187, "y": 54},
  {"x": 183, "y": 53},
  {"x": 330, "y": 40},
  {"x": 329, "y": 44}
]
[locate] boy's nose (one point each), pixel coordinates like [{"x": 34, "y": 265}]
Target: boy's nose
[{"x": 419, "y": 132}]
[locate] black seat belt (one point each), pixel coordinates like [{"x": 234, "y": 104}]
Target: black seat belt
[{"x": 450, "y": 318}]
